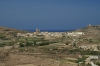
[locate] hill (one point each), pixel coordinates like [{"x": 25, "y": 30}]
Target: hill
[
  {"x": 91, "y": 29},
  {"x": 9, "y": 32}
]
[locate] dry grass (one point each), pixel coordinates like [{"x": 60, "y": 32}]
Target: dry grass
[{"x": 3, "y": 55}]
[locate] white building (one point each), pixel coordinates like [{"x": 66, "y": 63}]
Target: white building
[{"x": 75, "y": 33}]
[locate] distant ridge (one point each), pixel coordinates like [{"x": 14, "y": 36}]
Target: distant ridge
[
  {"x": 7, "y": 28},
  {"x": 91, "y": 29},
  {"x": 9, "y": 31}
]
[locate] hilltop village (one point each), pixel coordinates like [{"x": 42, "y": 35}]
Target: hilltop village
[
  {"x": 50, "y": 35},
  {"x": 74, "y": 48}
]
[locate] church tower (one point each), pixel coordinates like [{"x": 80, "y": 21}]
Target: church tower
[{"x": 37, "y": 31}]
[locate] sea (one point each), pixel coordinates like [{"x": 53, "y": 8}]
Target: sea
[{"x": 50, "y": 30}]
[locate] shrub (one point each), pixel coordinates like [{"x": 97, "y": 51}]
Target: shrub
[
  {"x": 2, "y": 36},
  {"x": 81, "y": 59},
  {"x": 87, "y": 52},
  {"x": 67, "y": 43},
  {"x": 98, "y": 63},
  {"x": 21, "y": 45},
  {"x": 29, "y": 44},
  {"x": 44, "y": 43},
  {"x": 1, "y": 45},
  {"x": 74, "y": 50}
]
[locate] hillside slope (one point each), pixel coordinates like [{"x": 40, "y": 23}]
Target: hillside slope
[
  {"x": 9, "y": 31},
  {"x": 91, "y": 29}
]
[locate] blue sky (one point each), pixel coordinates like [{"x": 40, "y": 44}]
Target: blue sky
[{"x": 49, "y": 14}]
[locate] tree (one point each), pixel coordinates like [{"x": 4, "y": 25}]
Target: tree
[
  {"x": 34, "y": 42},
  {"x": 29, "y": 44}
]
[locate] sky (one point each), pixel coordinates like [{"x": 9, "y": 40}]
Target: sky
[{"x": 49, "y": 14}]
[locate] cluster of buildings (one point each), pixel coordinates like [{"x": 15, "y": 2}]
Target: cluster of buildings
[
  {"x": 75, "y": 33},
  {"x": 89, "y": 47},
  {"x": 42, "y": 34},
  {"x": 89, "y": 60},
  {"x": 50, "y": 34},
  {"x": 25, "y": 35}
]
